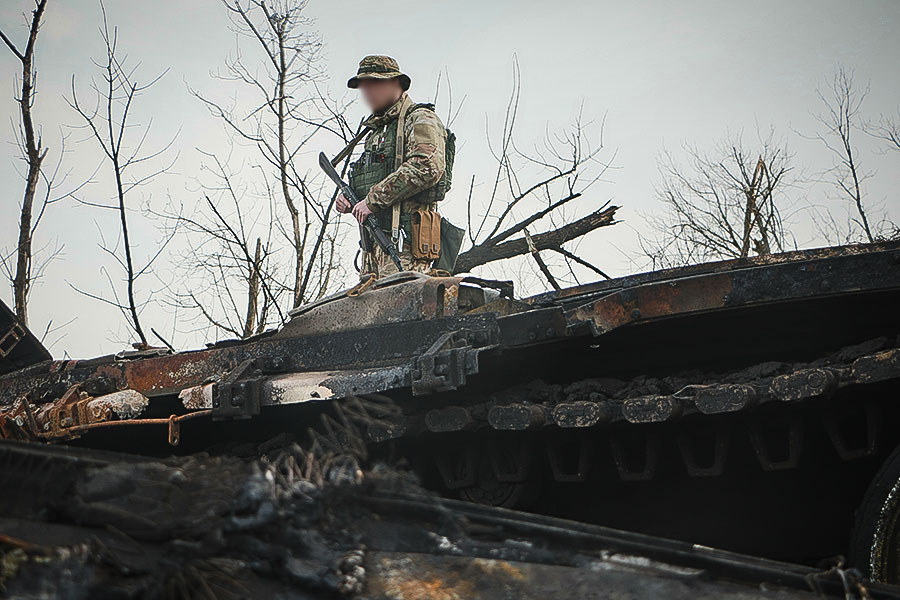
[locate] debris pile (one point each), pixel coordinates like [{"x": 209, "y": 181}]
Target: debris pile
[
  {"x": 192, "y": 527},
  {"x": 84, "y": 524}
]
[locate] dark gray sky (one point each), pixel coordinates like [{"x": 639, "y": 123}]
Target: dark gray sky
[{"x": 662, "y": 72}]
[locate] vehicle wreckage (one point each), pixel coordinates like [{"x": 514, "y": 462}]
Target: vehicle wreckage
[{"x": 746, "y": 405}]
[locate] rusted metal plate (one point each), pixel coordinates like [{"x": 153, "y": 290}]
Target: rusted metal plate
[
  {"x": 658, "y": 300},
  {"x": 607, "y": 286},
  {"x": 343, "y": 350},
  {"x": 166, "y": 373},
  {"x": 782, "y": 278}
]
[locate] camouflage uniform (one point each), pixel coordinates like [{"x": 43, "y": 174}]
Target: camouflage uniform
[{"x": 415, "y": 184}]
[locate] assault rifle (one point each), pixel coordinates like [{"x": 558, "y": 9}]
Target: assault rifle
[{"x": 370, "y": 224}]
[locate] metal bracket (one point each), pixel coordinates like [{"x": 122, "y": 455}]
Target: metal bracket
[
  {"x": 9, "y": 340},
  {"x": 237, "y": 395},
  {"x": 442, "y": 371},
  {"x": 445, "y": 365}
]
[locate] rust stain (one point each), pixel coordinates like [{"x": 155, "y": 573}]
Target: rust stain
[
  {"x": 430, "y": 577},
  {"x": 410, "y": 579},
  {"x": 440, "y": 297},
  {"x": 499, "y": 568},
  {"x": 658, "y": 300},
  {"x": 434, "y": 589},
  {"x": 169, "y": 372},
  {"x": 724, "y": 266}
]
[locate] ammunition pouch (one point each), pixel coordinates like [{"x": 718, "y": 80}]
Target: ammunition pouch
[{"x": 426, "y": 234}]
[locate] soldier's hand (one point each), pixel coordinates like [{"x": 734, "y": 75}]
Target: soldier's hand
[
  {"x": 362, "y": 212},
  {"x": 342, "y": 204}
]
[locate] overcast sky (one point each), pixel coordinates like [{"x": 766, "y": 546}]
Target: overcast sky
[{"x": 664, "y": 73}]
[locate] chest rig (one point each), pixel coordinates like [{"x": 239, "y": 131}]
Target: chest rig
[{"x": 383, "y": 154}]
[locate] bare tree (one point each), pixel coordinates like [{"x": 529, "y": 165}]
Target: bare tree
[
  {"x": 887, "y": 129},
  {"x": 840, "y": 119},
  {"x": 528, "y": 188},
  {"x": 34, "y": 153},
  {"x": 108, "y": 124},
  {"x": 720, "y": 205},
  {"x": 453, "y": 109},
  {"x": 291, "y": 110},
  {"x": 227, "y": 277}
]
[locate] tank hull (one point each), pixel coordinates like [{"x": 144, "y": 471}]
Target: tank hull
[{"x": 746, "y": 405}]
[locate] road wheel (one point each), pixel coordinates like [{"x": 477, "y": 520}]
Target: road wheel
[
  {"x": 875, "y": 542},
  {"x": 488, "y": 489},
  {"x": 503, "y": 474}
]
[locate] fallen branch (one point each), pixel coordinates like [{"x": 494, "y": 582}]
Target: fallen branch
[
  {"x": 540, "y": 261},
  {"x": 550, "y": 240}
]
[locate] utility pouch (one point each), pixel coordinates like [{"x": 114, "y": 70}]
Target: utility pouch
[
  {"x": 426, "y": 234},
  {"x": 451, "y": 243}
]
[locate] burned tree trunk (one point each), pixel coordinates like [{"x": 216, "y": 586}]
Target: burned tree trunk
[
  {"x": 551, "y": 240},
  {"x": 34, "y": 156}
]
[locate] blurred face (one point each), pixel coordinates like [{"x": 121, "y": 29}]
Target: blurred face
[{"x": 380, "y": 94}]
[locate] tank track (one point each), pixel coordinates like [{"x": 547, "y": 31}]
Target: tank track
[{"x": 764, "y": 396}]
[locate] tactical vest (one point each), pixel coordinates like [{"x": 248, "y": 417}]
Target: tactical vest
[{"x": 377, "y": 162}]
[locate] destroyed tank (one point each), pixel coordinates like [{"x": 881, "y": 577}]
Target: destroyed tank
[{"x": 749, "y": 405}]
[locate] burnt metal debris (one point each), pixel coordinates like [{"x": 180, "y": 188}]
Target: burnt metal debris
[
  {"x": 746, "y": 405},
  {"x": 18, "y": 346},
  {"x": 284, "y": 526}
]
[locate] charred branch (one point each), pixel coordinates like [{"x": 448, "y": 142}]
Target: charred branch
[{"x": 550, "y": 240}]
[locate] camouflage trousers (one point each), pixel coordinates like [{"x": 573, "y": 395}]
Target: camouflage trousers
[{"x": 379, "y": 262}]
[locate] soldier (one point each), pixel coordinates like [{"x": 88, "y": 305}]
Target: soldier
[{"x": 400, "y": 175}]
